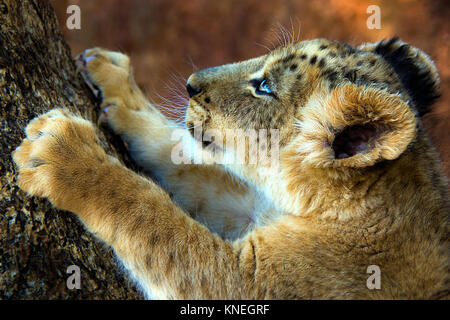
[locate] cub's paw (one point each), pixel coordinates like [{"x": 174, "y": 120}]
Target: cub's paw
[
  {"x": 59, "y": 157},
  {"x": 109, "y": 75},
  {"x": 105, "y": 72}
]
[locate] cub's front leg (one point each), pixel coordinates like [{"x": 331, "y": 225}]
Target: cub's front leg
[
  {"x": 148, "y": 134},
  {"x": 126, "y": 110},
  {"x": 171, "y": 255}
]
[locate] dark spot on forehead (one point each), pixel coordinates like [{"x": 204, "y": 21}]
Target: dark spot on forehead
[
  {"x": 299, "y": 76},
  {"x": 332, "y": 54},
  {"x": 349, "y": 49},
  {"x": 288, "y": 58},
  {"x": 351, "y": 75},
  {"x": 313, "y": 60},
  {"x": 322, "y": 62},
  {"x": 328, "y": 72},
  {"x": 323, "y": 47},
  {"x": 331, "y": 76},
  {"x": 303, "y": 56},
  {"x": 293, "y": 67}
]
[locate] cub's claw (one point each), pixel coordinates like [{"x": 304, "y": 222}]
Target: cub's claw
[{"x": 103, "y": 71}]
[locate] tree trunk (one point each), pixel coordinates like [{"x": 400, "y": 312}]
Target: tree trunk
[{"x": 37, "y": 242}]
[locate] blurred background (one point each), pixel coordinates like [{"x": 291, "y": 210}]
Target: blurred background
[{"x": 169, "y": 39}]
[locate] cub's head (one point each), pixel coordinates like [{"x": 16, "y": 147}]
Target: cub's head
[{"x": 334, "y": 105}]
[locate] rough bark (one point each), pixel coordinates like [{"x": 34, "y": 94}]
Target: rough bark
[{"x": 38, "y": 242}]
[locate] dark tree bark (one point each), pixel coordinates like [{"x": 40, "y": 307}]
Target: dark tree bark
[{"x": 37, "y": 242}]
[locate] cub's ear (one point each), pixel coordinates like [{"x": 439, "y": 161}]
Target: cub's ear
[
  {"x": 415, "y": 69},
  {"x": 354, "y": 126}
]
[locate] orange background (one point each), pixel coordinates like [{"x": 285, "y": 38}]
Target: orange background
[{"x": 168, "y": 39}]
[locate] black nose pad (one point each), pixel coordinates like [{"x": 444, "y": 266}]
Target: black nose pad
[{"x": 192, "y": 91}]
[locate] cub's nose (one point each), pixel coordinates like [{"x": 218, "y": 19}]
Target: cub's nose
[{"x": 192, "y": 90}]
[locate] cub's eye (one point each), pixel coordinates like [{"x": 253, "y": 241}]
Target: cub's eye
[
  {"x": 264, "y": 87},
  {"x": 261, "y": 87}
]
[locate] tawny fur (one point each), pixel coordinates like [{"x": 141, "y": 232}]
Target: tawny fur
[{"x": 308, "y": 228}]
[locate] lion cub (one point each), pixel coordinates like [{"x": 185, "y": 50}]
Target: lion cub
[{"x": 355, "y": 185}]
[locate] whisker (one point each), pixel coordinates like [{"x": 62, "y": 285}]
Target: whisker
[
  {"x": 292, "y": 31},
  {"x": 265, "y": 47},
  {"x": 298, "y": 29},
  {"x": 283, "y": 33},
  {"x": 194, "y": 66},
  {"x": 279, "y": 39},
  {"x": 181, "y": 103},
  {"x": 178, "y": 78},
  {"x": 287, "y": 35}
]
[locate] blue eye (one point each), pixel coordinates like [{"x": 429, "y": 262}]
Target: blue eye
[{"x": 264, "y": 87}]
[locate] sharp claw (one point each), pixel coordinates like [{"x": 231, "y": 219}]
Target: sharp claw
[
  {"x": 103, "y": 115},
  {"x": 100, "y": 120},
  {"x": 87, "y": 59},
  {"x": 79, "y": 63},
  {"x": 79, "y": 68},
  {"x": 95, "y": 92},
  {"x": 90, "y": 85}
]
